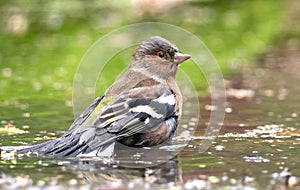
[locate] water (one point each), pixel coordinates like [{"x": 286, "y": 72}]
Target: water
[{"x": 259, "y": 139}]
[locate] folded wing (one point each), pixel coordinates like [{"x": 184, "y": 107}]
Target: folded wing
[{"x": 110, "y": 119}]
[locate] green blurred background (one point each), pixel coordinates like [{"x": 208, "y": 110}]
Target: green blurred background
[{"x": 42, "y": 42}]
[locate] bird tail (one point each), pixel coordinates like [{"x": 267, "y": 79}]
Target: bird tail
[
  {"x": 69, "y": 148},
  {"x": 55, "y": 148},
  {"x": 35, "y": 149}
]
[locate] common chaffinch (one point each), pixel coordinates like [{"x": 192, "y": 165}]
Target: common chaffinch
[{"x": 141, "y": 109}]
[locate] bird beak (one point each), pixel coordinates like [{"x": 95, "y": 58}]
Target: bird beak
[{"x": 179, "y": 58}]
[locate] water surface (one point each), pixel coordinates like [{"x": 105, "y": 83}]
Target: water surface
[{"x": 258, "y": 141}]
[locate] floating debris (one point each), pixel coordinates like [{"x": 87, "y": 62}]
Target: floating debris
[
  {"x": 265, "y": 131},
  {"x": 195, "y": 184},
  {"x": 286, "y": 177},
  {"x": 211, "y": 107},
  {"x": 282, "y": 93},
  {"x": 228, "y": 110},
  {"x": 10, "y": 129},
  {"x": 255, "y": 159},
  {"x": 7, "y": 182},
  {"x": 73, "y": 182},
  {"x": 219, "y": 147},
  {"x": 240, "y": 93},
  {"x": 292, "y": 181},
  {"x": 174, "y": 147},
  {"x": 26, "y": 115},
  {"x": 294, "y": 115},
  {"x": 248, "y": 179},
  {"x": 213, "y": 179},
  {"x": 8, "y": 155},
  {"x": 269, "y": 93}
]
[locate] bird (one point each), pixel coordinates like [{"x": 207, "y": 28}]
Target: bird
[{"x": 140, "y": 109}]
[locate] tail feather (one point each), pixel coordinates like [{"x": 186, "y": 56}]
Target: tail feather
[
  {"x": 72, "y": 149},
  {"x": 66, "y": 147},
  {"x": 36, "y": 149}
]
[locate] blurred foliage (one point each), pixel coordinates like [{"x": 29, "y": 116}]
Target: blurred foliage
[{"x": 42, "y": 42}]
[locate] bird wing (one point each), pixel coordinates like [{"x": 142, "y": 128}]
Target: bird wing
[
  {"x": 134, "y": 111},
  {"x": 110, "y": 118},
  {"x": 85, "y": 114}
]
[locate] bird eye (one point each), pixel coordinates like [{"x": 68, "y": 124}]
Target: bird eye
[{"x": 161, "y": 54}]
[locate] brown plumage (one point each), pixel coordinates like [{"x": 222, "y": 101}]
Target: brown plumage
[{"x": 142, "y": 108}]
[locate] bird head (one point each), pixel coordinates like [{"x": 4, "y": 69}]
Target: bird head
[{"x": 158, "y": 57}]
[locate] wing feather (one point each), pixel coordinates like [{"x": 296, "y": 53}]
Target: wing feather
[{"x": 112, "y": 118}]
